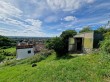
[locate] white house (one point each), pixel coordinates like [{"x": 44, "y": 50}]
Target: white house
[{"x": 24, "y": 50}]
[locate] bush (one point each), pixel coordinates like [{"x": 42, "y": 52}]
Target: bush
[
  {"x": 57, "y": 45},
  {"x": 2, "y": 57},
  {"x": 60, "y": 44},
  {"x": 105, "y": 46},
  {"x": 7, "y": 53},
  {"x": 10, "y": 62},
  {"x": 40, "y": 56}
]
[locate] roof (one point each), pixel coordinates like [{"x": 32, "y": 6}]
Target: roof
[
  {"x": 24, "y": 45},
  {"x": 86, "y": 34}
]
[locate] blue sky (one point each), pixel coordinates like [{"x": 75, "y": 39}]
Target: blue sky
[{"x": 48, "y": 18}]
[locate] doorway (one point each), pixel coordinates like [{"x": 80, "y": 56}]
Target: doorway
[{"x": 79, "y": 44}]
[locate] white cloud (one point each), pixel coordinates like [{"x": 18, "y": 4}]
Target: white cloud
[
  {"x": 35, "y": 24},
  {"x": 70, "y": 18},
  {"x": 7, "y": 9},
  {"x": 11, "y": 15},
  {"x": 67, "y": 5}
]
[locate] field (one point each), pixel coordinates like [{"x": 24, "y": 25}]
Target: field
[{"x": 86, "y": 68}]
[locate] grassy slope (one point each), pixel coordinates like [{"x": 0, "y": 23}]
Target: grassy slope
[
  {"x": 11, "y": 50},
  {"x": 86, "y": 68}
]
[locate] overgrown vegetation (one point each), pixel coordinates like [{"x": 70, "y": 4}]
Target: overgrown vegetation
[
  {"x": 7, "y": 53},
  {"x": 6, "y": 42},
  {"x": 2, "y": 57},
  {"x": 86, "y": 29},
  {"x": 105, "y": 47},
  {"x": 60, "y": 44}
]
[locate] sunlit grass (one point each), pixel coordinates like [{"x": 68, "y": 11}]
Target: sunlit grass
[
  {"x": 87, "y": 68},
  {"x": 11, "y": 50}
]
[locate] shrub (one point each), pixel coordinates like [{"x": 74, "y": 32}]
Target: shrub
[
  {"x": 105, "y": 47},
  {"x": 57, "y": 45},
  {"x": 60, "y": 44},
  {"x": 10, "y": 62},
  {"x": 8, "y": 53},
  {"x": 2, "y": 57}
]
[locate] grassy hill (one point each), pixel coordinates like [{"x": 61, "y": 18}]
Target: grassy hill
[{"x": 86, "y": 68}]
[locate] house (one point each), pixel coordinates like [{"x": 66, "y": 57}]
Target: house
[
  {"x": 84, "y": 42},
  {"x": 24, "y": 50},
  {"x": 39, "y": 47}
]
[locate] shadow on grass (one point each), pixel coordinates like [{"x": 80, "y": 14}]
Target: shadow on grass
[{"x": 66, "y": 56}]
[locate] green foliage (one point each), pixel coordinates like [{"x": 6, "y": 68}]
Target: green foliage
[
  {"x": 60, "y": 44},
  {"x": 65, "y": 37},
  {"x": 6, "y": 42},
  {"x": 8, "y": 51},
  {"x": 2, "y": 57},
  {"x": 57, "y": 45},
  {"x": 68, "y": 33},
  {"x": 86, "y": 29},
  {"x": 105, "y": 47},
  {"x": 105, "y": 44},
  {"x": 101, "y": 30},
  {"x": 107, "y": 35}
]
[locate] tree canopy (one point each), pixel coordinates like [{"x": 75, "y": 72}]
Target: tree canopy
[
  {"x": 60, "y": 44},
  {"x": 6, "y": 42},
  {"x": 86, "y": 29}
]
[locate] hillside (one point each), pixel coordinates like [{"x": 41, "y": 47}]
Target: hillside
[{"x": 86, "y": 68}]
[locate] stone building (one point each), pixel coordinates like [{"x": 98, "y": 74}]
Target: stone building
[{"x": 84, "y": 42}]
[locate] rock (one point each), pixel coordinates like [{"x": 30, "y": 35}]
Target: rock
[{"x": 33, "y": 65}]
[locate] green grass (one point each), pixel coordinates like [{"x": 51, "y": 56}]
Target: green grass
[
  {"x": 11, "y": 50},
  {"x": 87, "y": 68}
]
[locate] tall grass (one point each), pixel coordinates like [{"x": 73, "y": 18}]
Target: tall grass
[{"x": 87, "y": 68}]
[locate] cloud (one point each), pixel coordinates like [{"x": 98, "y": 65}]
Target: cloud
[
  {"x": 67, "y": 5},
  {"x": 11, "y": 15},
  {"x": 35, "y": 24},
  {"x": 70, "y": 18},
  {"x": 7, "y": 9}
]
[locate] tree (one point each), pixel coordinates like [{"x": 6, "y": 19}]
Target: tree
[
  {"x": 101, "y": 30},
  {"x": 65, "y": 37},
  {"x": 57, "y": 45},
  {"x": 6, "y": 42},
  {"x": 107, "y": 35},
  {"x": 105, "y": 44},
  {"x": 60, "y": 44},
  {"x": 86, "y": 29}
]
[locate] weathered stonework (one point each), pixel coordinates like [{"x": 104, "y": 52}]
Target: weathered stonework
[{"x": 88, "y": 41}]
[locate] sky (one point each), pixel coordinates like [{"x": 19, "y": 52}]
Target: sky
[{"x": 48, "y": 18}]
